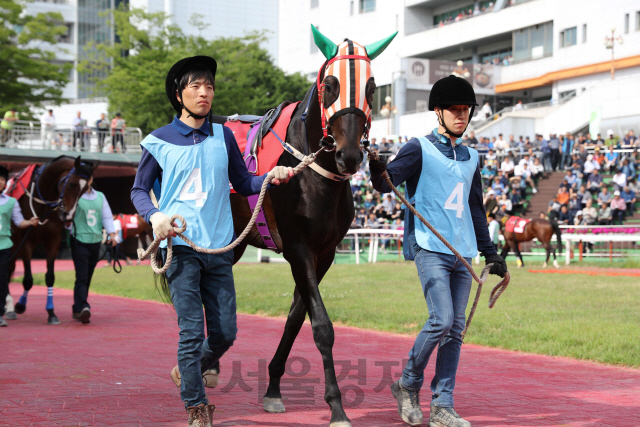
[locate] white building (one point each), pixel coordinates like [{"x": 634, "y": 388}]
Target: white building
[{"x": 555, "y": 53}]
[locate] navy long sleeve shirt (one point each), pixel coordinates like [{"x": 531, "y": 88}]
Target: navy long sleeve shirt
[
  {"x": 178, "y": 133},
  {"x": 407, "y": 167}
]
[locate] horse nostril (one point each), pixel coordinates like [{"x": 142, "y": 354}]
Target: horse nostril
[{"x": 339, "y": 154}]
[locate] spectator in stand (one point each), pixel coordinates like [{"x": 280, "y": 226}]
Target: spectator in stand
[
  {"x": 6, "y": 126},
  {"x": 554, "y": 205},
  {"x": 604, "y": 196},
  {"x": 589, "y": 166},
  {"x": 48, "y": 127},
  {"x": 567, "y": 150},
  {"x": 582, "y": 154},
  {"x": 372, "y": 221},
  {"x": 78, "y": 131},
  {"x": 525, "y": 174},
  {"x": 492, "y": 143},
  {"x": 487, "y": 174},
  {"x": 628, "y": 169},
  {"x": 102, "y": 129},
  {"x": 554, "y": 145},
  {"x": 578, "y": 220},
  {"x": 492, "y": 158},
  {"x": 374, "y": 145},
  {"x": 546, "y": 153},
  {"x": 501, "y": 212},
  {"x": 634, "y": 186},
  {"x": 565, "y": 217},
  {"x": 513, "y": 144},
  {"x": 518, "y": 106},
  {"x": 563, "y": 196},
  {"x": 507, "y": 165},
  {"x": 497, "y": 186},
  {"x": 604, "y": 215},
  {"x": 594, "y": 183},
  {"x": 537, "y": 170},
  {"x": 598, "y": 141},
  {"x": 504, "y": 200},
  {"x": 619, "y": 180},
  {"x": 490, "y": 203},
  {"x": 501, "y": 145},
  {"x": 473, "y": 142},
  {"x": 504, "y": 179},
  {"x": 486, "y": 110},
  {"x": 494, "y": 230},
  {"x": 574, "y": 204},
  {"x": 482, "y": 146},
  {"x": 598, "y": 157},
  {"x": 629, "y": 139},
  {"x": 611, "y": 159},
  {"x": 612, "y": 140},
  {"x": 117, "y": 132},
  {"x": 368, "y": 202},
  {"x": 589, "y": 213},
  {"x": 618, "y": 207},
  {"x": 569, "y": 181},
  {"x": 629, "y": 198}
]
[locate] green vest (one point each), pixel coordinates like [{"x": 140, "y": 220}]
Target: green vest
[
  {"x": 5, "y": 224},
  {"x": 88, "y": 220}
]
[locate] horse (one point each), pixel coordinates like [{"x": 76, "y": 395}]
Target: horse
[
  {"x": 52, "y": 196},
  {"x": 136, "y": 226},
  {"x": 310, "y": 215},
  {"x": 540, "y": 229}
]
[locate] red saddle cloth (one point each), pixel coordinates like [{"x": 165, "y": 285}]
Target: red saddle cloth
[
  {"x": 19, "y": 182},
  {"x": 515, "y": 224},
  {"x": 271, "y": 149},
  {"x": 128, "y": 222}
]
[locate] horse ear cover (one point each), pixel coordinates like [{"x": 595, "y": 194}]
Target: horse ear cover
[
  {"x": 375, "y": 49},
  {"x": 326, "y": 46}
]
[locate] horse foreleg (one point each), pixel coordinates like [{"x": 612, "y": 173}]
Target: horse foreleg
[
  {"x": 50, "y": 278},
  {"x": 272, "y": 401},
  {"x": 505, "y": 250},
  {"x": 27, "y": 281},
  {"x": 555, "y": 261},
  {"x": 306, "y": 278},
  {"x": 516, "y": 249},
  {"x": 547, "y": 249}
]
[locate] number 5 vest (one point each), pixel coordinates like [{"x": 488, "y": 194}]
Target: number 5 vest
[
  {"x": 442, "y": 197},
  {"x": 195, "y": 184}
]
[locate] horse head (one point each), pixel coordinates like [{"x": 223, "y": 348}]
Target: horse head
[
  {"x": 73, "y": 185},
  {"x": 345, "y": 88}
]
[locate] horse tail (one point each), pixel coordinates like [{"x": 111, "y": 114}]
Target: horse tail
[
  {"x": 558, "y": 232},
  {"x": 160, "y": 280}
]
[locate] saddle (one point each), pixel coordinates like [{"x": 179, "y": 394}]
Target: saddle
[
  {"x": 516, "y": 224},
  {"x": 17, "y": 185}
]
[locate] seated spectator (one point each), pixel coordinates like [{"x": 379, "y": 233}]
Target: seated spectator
[
  {"x": 491, "y": 204},
  {"x": 492, "y": 159},
  {"x": 589, "y": 166},
  {"x": 565, "y": 217},
  {"x": 578, "y": 220},
  {"x": 604, "y": 214},
  {"x": 576, "y": 170},
  {"x": 537, "y": 170},
  {"x": 574, "y": 204},
  {"x": 504, "y": 179},
  {"x": 368, "y": 202},
  {"x": 598, "y": 157},
  {"x": 361, "y": 217},
  {"x": 482, "y": 146},
  {"x": 629, "y": 139},
  {"x": 526, "y": 159},
  {"x": 580, "y": 194},
  {"x": 554, "y": 205},
  {"x": 611, "y": 159},
  {"x": 501, "y": 213},
  {"x": 589, "y": 213},
  {"x": 568, "y": 181},
  {"x": 507, "y": 166},
  {"x": 604, "y": 196},
  {"x": 629, "y": 198},
  {"x": 594, "y": 183},
  {"x": 372, "y": 221},
  {"x": 612, "y": 139},
  {"x": 628, "y": 169},
  {"x": 497, "y": 186},
  {"x": 563, "y": 196},
  {"x": 487, "y": 173},
  {"x": 374, "y": 145},
  {"x": 397, "y": 213},
  {"x": 525, "y": 174},
  {"x": 619, "y": 180},
  {"x": 504, "y": 200},
  {"x": 618, "y": 207}
]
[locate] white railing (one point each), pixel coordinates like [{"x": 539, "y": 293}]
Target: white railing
[{"x": 31, "y": 135}]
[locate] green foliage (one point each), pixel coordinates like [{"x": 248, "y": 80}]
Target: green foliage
[
  {"x": 29, "y": 76},
  {"x": 247, "y": 81},
  {"x": 578, "y": 316}
]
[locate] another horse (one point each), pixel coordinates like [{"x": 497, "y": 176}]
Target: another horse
[
  {"x": 540, "y": 229},
  {"x": 52, "y": 195},
  {"x": 136, "y": 226}
]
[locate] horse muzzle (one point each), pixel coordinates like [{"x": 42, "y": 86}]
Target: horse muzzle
[{"x": 349, "y": 160}]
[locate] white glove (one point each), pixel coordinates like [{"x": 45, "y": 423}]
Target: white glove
[
  {"x": 162, "y": 225},
  {"x": 281, "y": 174}
]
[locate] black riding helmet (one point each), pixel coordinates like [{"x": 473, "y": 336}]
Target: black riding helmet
[
  {"x": 450, "y": 91},
  {"x": 4, "y": 172},
  {"x": 178, "y": 70}
]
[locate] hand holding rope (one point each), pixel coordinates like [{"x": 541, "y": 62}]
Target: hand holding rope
[
  {"x": 499, "y": 288},
  {"x": 152, "y": 249}
]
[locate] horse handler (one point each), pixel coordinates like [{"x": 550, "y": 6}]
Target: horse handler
[
  {"x": 444, "y": 183},
  {"x": 92, "y": 214},
  {"x": 194, "y": 160},
  {"x": 9, "y": 212}
]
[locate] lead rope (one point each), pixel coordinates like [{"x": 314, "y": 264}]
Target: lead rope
[
  {"x": 495, "y": 293},
  {"x": 151, "y": 250}
]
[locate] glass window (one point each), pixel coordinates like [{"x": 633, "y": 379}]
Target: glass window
[
  {"x": 584, "y": 33},
  {"x": 533, "y": 42},
  {"x": 314, "y": 4},
  {"x": 637, "y": 21},
  {"x": 626, "y": 23},
  {"x": 568, "y": 37},
  {"x": 378, "y": 98},
  {"x": 367, "y": 6}
]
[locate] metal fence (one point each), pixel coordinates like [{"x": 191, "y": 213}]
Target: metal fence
[{"x": 32, "y": 135}]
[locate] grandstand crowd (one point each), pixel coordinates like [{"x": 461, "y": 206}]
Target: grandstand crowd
[{"x": 512, "y": 168}]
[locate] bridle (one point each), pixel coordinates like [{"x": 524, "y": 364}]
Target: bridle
[{"x": 328, "y": 142}]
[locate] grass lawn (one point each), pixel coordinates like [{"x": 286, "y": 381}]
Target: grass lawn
[{"x": 596, "y": 318}]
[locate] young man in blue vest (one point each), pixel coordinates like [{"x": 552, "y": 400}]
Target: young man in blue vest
[
  {"x": 444, "y": 183},
  {"x": 9, "y": 212},
  {"x": 93, "y": 213},
  {"x": 194, "y": 161}
]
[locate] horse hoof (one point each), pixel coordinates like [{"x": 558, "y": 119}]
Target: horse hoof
[
  {"x": 10, "y": 315},
  {"x": 544, "y": 265},
  {"x": 273, "y": 405},
  {"x": 555, "y": 264},
  {"x": 340, "y": 424},
  {"x": 20, "y": 308},
  {"x": 53, "y": 320}
]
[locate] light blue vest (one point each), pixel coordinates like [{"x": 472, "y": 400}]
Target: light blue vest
[
  {"x": 195, "y": 184},
  {"x": 442, "y": 197}
]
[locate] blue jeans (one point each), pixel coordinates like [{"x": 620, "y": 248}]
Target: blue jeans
[
  {"x": 446, "y": 284},
  {"x": 197, "y": 280}
]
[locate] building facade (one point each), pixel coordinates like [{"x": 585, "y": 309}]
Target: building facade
[{"x": 536, "y": 51}]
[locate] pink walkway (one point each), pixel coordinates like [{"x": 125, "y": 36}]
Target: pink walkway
[{"x": 115, "y": 372}]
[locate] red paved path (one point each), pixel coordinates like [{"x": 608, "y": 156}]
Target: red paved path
[{"x": 115, "y": 371}]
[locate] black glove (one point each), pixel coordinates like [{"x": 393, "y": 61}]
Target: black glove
[
  {"x": 377, "y": 166},
  {"x": 499, "y": 267}
]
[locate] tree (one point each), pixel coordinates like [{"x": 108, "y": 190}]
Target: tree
[
  {"x": 29, "y": 74},
  {"x": 247, "y": 81}
]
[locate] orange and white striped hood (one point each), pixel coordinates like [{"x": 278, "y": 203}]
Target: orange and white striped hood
[{"x": 353, "y": 75}]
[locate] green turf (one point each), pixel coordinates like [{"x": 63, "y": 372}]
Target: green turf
[{"x": 577, "y": 316}]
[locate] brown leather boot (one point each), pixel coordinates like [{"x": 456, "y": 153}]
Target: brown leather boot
[{"x": 200, "y": 416}]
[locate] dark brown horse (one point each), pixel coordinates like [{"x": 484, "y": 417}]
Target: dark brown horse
[
  {"x": 136, "y": 226},
  {"x": 540, "y": 229},
  {"x": 52, "y": 195}
]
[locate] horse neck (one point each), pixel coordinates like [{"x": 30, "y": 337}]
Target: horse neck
[
  {"x": 313, "y": 131},
  {"x": 50, "y": 177}
]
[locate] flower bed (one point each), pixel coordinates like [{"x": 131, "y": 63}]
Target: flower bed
[{"x": 602, "y": 230}]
